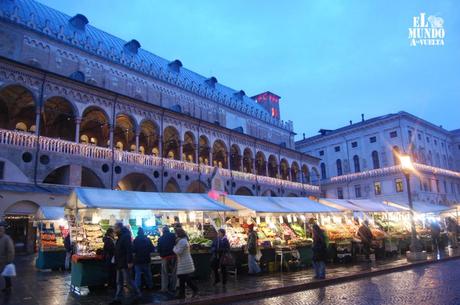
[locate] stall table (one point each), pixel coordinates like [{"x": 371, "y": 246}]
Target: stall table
[
  {"x": 51, "y": 259},
  {"x": 88, "y": 271}
]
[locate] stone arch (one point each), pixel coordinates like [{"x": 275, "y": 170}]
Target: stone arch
[
  {"x": 22, "y": 207},
  {"x": 124, "y": 133},
  {"x": 149, "y": 138},
  {"x": 136, "y": 182},
  {"x": 12, "y": 172},
  {"x": 219, "y": 154},
  {"x": 188, "y": 147},
  {"x": 261, "y": 164},
  {"x": 305, "y": 174},
  {"x": 295, "y": 172},
  {"x": 197, "y": 187},
  {"x": 58, "y": 119},
  {"x": 17, "y": 108},
  {"x": 248, "y": 160},
  {"x": 315, "y": 177},
  {"x": 95, "y": 126},
  {"x": 243, "y": 190},
  {"x": 61, "y": 175},
  {"x": 172, "y": 186},
  {"x": 171, "y": 143},
  {"x": 284, "y": 169},
  {"x": 235, "y": 157},
  {"x": 205, "y": 150},
  {"x": 272, "y": 166},
  {"x": 89, "y": 178}
]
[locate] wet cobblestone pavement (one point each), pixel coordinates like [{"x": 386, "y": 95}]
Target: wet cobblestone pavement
[
  {"x": 436, "y": 284},
  {"x": 33, "y": 287}
]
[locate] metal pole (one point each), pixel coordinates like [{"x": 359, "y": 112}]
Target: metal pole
[{"x": 414, "y": 243}]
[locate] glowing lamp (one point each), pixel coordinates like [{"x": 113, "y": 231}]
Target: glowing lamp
[{"x": 406, "y": 163}]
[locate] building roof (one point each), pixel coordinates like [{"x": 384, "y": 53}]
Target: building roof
[
  {"x": 326, "y": 133},
  {"x": 35, "y": 188},
  {"x": 78, "y": 33}
]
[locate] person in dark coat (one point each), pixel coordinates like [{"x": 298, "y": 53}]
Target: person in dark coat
[
  {"x": 435, "y": 235},
  {"x": 68, "y": 251},
  {"x": 253, "y": 266},
  {"x": 108, "y": 252},
  {"x": 319, "y": 252},
  {"x": 366, "y": 237},
  {"x": 168, "y": 260},
  {"x": 142, "y": 249},
  {"x": 220, "y": 246},
  {"x": 6, "y": 255},
  {"x": 124, "y": 264}
]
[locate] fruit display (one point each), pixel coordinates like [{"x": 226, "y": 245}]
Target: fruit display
[
  {"x": 236, "y": 235},
  {"x": 298, "y": 230},
  {"x": 378, "y": 234},
  {"x": 340, "y": 232},
  {"x": 50, "y": 237}
]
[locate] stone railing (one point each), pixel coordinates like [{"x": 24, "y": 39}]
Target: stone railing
[{"x": 29, "y": 140}]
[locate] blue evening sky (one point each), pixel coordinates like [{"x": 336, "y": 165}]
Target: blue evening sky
[{"x": 330, "y": 61}]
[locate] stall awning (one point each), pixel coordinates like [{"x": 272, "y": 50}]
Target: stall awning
[
  {"x": 280, "y": 204},
  {"x": 424, "y": 207},
  {"x": 112, "y": 199},
  {"x": 362, "y": 205},
  {"x": 50, "y": 213}
]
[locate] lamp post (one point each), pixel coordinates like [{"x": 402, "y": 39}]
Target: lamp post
[{"x": 415, "y": 247}]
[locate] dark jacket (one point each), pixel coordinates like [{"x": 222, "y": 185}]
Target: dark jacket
[
  {"x": 68, "y": 243},
  {"x": 252, "y": 243},
  {"x": 166, "y": 244},
  {"x": 365, "y": 234},
  {"x": 123, "y": 250},
  {"x": 319, "y": 248},
  {"x": 109, "y": 248},
  {"x": 142, "y": 248},
  {"x": 220, "y": 246}
]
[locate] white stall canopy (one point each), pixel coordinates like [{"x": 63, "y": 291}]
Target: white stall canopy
[
  {"x": 361, "y": 205},
  {"x": 50, "y": 213},
  {"x": 92, "y": 198},
  {"x": 423, "y": 207},
  {"x": 278, "y": 204}
]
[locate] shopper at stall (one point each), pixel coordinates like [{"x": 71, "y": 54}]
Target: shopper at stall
[
  {"x": 366, "y": 237},
  {"x": 124, "y": 263},
  {"x": 168, "y": 260},
  {"x": 435, "y": 229},
  {"x": 142, "y": 249},
  {"x": 185, "y": 266},
  {"x": 219, "y": 249},
  {"x": 68, "y": 251},
  {"x": 108, "y": 252},
  {"x": 6, "y": 255},
  {"x": 319, "y": 252},
  {"x": 452, "y": 228},
  {"x": 253, "y": 266}
]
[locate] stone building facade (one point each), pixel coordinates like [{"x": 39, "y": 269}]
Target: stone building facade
[{"x": 361, "y": 160}]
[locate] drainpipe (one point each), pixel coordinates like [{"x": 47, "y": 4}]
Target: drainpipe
[{"x": 37, "y": 128}]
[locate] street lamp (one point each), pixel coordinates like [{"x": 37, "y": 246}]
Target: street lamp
[{"x": 415, "y": 247}]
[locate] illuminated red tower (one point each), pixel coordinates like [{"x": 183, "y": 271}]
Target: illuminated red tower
[{"x": 270, "y": 101}]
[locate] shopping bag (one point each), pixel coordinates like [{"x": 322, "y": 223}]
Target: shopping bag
[
  {"x": 9, "y": 270},
  {"x": 227, "y": 259}
]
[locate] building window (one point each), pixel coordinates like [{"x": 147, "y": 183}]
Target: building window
[
  {"x": 375, "y": 159},
  {"x": 452, "y": 186},
  {"x": 337, "y": 148},
  {"x": 358, "y": 191},
  {"x": 373, "y": 139},
  {"x": 323, "y": 171},
  {"x": 425, "y": 185},
  {"x": 399, "y": 185},
  {"x": 427, "y": 140},
  {"x": 377, "y": 188},
  {"x": 340, "y": 193},
  {"x": 409, "y": 133},
  {"x": 2, "y": 170},
  {"x": 354, "y": 144},
  {"x": 321, "y": 152},
  {"x": 419, "y": 136},
  {"x": 438, "y": 190},
  {"x": 339, "y": 167},
  {"x": 445, "y": 186},
  {"x": 435, "y": 142},
  {"x": 393, "y": 134},
  {"x": 356, "y": 163}
]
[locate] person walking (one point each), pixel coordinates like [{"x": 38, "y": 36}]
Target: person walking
[
  {"x": 220, "y": 247},
  {"x": 108, "y": 251},
  {"x": 142, "y": 249},
  {"x": 253, "y": 266},
  {"x": 185, "y": 266},
  {"x": 68, "y": 251},
  {"x": 435, "y": 229},
  {"x": 366, "y": 237},
  {"x": 165, "y": 248},
  {"x": 452, "y": 227},
  {"x": 6, "y": 255},
  {"x": 124, "y": 263},
  {"x": 319, "y": 252}
]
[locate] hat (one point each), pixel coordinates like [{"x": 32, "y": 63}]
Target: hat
[
  {"x": 251, "y": 226},
  {"x": 312, "y": 220}
]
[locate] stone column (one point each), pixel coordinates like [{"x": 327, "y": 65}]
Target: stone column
[
  {"x": 210, "y": 157},
  {"x": 111, "y": 137},
  {"x": 77, "y": 129},
  {"x": 37, "y": 121},
  {"x": 242, "y": 164},
  {"x": 160, "y": 146},
  {"x": 181, "y": 150},
  {"x": 75, "y": 175},
  {"x": 137, "y": 141},
  {"x": 266, "y": 168},
  {"x": 197, "y": 154},
  {"x": 290, "y": 174}
]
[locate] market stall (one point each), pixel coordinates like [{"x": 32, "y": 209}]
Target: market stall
[
  {"x": 281, "y": 226},
  {"x": 52, "y": 228},
  {"x": 91, "y": 211}
]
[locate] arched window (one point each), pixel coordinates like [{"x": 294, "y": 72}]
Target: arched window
[
  {"x": 356, "y": 163},
  {"x": 375, "y": 159},
  {"x": 323, "y": 171},
  {"x": 339, "y": 167}
]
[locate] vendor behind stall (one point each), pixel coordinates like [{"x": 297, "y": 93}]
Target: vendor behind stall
[{"x": 366, "y": 237}]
